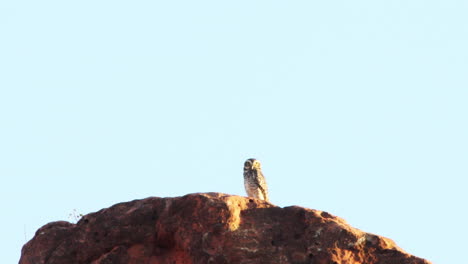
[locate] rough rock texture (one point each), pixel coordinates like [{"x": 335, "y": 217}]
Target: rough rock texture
[{"x": 209, "y": 228}]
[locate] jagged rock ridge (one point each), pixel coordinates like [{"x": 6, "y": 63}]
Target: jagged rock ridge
[{"x": 209, "y": 228}]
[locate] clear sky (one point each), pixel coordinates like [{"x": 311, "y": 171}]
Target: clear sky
[{"x": 357, "y": 108}]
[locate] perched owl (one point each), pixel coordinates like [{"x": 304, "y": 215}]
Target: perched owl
[{"x": 254, "y": 181}]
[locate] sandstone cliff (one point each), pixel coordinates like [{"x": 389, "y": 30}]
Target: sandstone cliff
[{"x": 209, "y": 228}]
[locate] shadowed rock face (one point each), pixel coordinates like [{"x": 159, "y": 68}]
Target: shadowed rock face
[{"x": 209, "y": 228}]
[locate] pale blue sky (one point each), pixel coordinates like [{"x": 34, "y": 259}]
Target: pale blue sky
[{"x": 357, "y": 108}]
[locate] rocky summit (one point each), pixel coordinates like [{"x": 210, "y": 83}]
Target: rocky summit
[{"x": 209, "y": 228}]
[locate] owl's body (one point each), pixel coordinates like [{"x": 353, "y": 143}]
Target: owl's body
[{"x": 254, "y": 181}]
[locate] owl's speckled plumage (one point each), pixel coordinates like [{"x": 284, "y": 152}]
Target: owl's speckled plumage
[{"x": 254, "y": 181}]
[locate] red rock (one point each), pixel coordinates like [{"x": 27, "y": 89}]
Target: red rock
[{"x": 209, "y": 228}]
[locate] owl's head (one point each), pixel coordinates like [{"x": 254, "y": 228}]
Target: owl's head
[{"x": 252, "y": 164}]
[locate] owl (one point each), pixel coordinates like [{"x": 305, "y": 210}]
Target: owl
[{"x": 254, "y": 181}]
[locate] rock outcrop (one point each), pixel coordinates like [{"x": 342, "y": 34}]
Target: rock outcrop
[{"x": 209, "y": 228}]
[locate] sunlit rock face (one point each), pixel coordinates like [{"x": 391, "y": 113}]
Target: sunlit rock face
[{"x": 209, "y": 228}]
